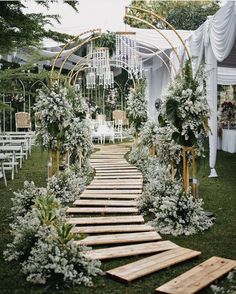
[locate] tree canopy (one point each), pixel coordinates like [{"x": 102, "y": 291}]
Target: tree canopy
[
  {"x": 183, "y": 15},
  {"x": 19, "y": 29}
]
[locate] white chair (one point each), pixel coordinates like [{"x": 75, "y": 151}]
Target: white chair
[
  {"x": 23, "y": 121},
  {"x": 96, "y": 134},
  {"x": 118, "y": 130},
  {"x": 120, "y": 115},
  {"x": 107, "y": 130}
]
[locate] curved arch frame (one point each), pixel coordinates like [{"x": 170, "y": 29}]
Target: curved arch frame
[{"x": 127, "y": 8}]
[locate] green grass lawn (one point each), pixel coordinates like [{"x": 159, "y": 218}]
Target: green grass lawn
[{"x": 219, "y": 196}]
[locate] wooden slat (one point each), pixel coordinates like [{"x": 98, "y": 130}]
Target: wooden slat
[
  {"x": 112, "y": 229},
  {"x": 151, "y": 264},
  {"x": 112, "y": 191},
  {"x": 198, "y": 277},
  {"x": 117, "y": 181},
  {"x": 103, "y": 177},
  {"x": 109, "y": 196},
  {"x": 102, "y": 210},
  {"x": 114, "y": 186},
  {"x": 82, "y": 202},
  {"x": 130, "y": 250},
  {"x": 134, "y": 219},
  {"x": 120, "y": 238}
]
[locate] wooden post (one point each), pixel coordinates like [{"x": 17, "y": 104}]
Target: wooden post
[
  {"x": 194, "y": 173},
  {"x": 153, "y": 150},
  {"x": 184, "y": 168},
  {"x": 172, "y": 169},
  {"x": 50, "y": 163},
  {"x": 57, "y": 157}
]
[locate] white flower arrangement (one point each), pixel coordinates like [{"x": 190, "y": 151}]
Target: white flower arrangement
[
  {"x": 79, "y": 135},
  {"x": 24, "y": 199},
  {"x": 66, "y": 186},
  {"x": 45, "y": 246},
  {"x": 54, "y": 114},
  {"x": 137, "y": 104},
  {"x": 186, "y": 108}
]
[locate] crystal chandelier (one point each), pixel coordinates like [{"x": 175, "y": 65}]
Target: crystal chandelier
[
  {"x": 100, "y": 70},
  {"x": 126, "y": 53},
  {"x": 91, "y": 78}
]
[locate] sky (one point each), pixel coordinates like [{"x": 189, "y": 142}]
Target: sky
[{"x": 93, "y": 14}]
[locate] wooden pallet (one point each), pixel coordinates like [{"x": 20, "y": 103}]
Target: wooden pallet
[
  {"x": 102, "y": 210},
  {"x": 112, "y": 191},
  {"x": 120, "y": 238},
  {"x": 151, "y": 264},
  {"x": 134, "y": 219},
  {"x": 112, "y": 229},
  {"x": 106, "y": 177},
  {"x": 198, "y": 277},
  {"x": 108, "y": 196},
  {"x": 82, "y": 202},
  {"x": 130, "y": 250}
]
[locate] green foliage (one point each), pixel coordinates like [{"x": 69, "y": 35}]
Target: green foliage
[
  {"x": 19, "y": 29},
  {"x": 107, "y": 39},
  {"x": 183, "y": 15}
]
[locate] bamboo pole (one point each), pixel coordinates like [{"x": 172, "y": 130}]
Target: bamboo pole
[{"x": 57, "y": 157}]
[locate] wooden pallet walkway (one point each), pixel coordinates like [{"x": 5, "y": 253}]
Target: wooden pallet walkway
[
  {"x": 198, "y": 277},
  {"x": 151, "y": 264},
  {"x": 120, "y": 238},
  {"x": 129, "y": 250},
  {"x": 116, "y": 187}
]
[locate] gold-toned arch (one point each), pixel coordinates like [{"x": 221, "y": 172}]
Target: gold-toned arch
[
  {"x": 127, "y": 8},
  {"x": 159, "y": 31},
  {"x": 93, "y": 31}
]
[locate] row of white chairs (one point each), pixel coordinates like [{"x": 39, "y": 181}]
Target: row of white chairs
[
  {"x": 14, "y": 148},
  {"x": 106, "y": 130}
]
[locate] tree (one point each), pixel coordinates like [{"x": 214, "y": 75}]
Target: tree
[
  {"x": 19, "y": 29},
  {"x": 183, "y": 15}
]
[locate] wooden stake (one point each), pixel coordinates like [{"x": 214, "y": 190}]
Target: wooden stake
[
  {"x": 57, "y": 158},
  {"x": 50, "y": 163}
]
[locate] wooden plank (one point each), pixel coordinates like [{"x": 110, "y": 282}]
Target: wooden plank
[
  {"x": 114, "y": 186},
  {"x": 118, "y": 172},
  {"x": 82, "y": 202},
  {"x": 134, "y": 219},
  {"x": 109, "y": 196},
  {"x": 129, "y": 250},
  {"x": 103, "y": 177},
  {"x": 198, "y": 277},
  {"x": 151, "y": 264},
  {"x": 120, "y": 238},
  {"x": 118, "y": 181},
  {"x": 112, "y": 191},
  {"x": 112, "y": 229},
  {"x": 102, "y": 210}
]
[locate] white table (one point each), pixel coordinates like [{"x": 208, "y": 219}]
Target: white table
[{"x": 229, "y": 140}]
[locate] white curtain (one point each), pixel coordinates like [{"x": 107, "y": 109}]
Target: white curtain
[{"x": 226, "y": 76}]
